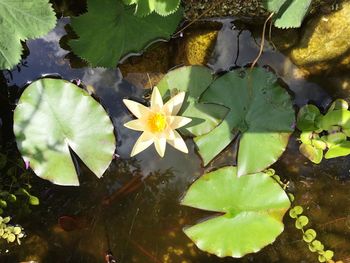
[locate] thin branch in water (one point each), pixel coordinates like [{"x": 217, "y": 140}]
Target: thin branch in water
[{"x": 262, "y": 41}]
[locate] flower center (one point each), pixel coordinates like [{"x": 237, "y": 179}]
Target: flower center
[{"x": 157, "y": 122}]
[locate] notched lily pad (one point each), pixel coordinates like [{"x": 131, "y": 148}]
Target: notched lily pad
[
  {"x": 194, "y": 80},
  {"x": 260, "y": 110},
  {"x": 253, "y": 207},
  {"x": 54, "y": 115}
]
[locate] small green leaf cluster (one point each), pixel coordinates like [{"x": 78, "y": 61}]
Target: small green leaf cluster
[
  {"x": 309, "y": 235},
  {"x": 9, "y": 232},
  {"x": 15, "y": 196},
  {"x": 324, "y": 132}
]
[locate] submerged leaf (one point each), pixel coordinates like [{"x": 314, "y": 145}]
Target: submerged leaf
[
  {"x": 194, "y": 80},
  {"x": 162, "y": 7},
  {"x": 53, "y": 116},
  {"x": 253, "y": 208},
  {"x": 259, "y": 109},
  {"x": 21, "y": 20},
  {"x": 109, "y": 31}
]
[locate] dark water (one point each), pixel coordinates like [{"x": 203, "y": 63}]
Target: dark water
[{"x": 145, "y": 225}]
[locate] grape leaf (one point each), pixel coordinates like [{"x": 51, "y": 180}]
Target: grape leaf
[
  {"x": 21, "y": 20},
  {"x": 162, "y": 7},
  {"x": 109, "y": 31},
  {"x": 289, "y": 13}
]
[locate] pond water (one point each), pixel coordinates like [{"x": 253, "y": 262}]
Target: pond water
[{"x": 134, "y": 209}]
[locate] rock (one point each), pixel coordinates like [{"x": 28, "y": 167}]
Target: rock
[
  {"x": 325, "y": 38},
  {"x": 197, "y": 47}
]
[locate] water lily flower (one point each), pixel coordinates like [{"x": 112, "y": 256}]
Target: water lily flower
[{"x": 158, "y": 123}]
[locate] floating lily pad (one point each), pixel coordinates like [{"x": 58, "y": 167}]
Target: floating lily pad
[
  {"x": 253, "y": 207},
  {"x": 109, "y": 31},
  {"x": 194, "y": 80},
  {"x": 54, "y": 115},
  {"x": 260, "y": 111},
  {"x": 21, "y": 20}
]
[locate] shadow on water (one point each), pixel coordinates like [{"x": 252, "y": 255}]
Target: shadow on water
[{"x": 134, "y": 210}]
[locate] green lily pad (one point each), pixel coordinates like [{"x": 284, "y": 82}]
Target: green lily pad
[
  {"x": 21, "y": 20},
  {"x": 162, "y": 7},
  {"x": 54, "y": 115},
  {"x": 260, "y": 110},
  {"x": 253, "y": 207},
  {"x": 109, "y": 31},
  {"x": 194, "y": 80}
]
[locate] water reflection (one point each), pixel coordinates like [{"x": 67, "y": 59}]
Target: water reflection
[{"x": 143, "y": 221}]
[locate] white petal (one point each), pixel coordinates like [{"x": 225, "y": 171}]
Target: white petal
[
  {"x": 142, "y": 143},
  {"x": 136, "y": 108},
  {"x": 137, "y": 125},
  {"x": 156, "y": 100},
  {"x": 178, "y": 143},
  {"x": 160, "y": 144},
  {"x": 176, "y": 122},
  {"x": 173, "y": 106}
]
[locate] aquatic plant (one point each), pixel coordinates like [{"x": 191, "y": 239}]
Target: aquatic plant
[
  {"x": 9, "y": 232},
  {"x": 193, "y": 80},
  {"x": 163, "y": 8},
  {"x": 252, "y": 210},
  {"x": 110, "y": 30},
  {"x": 19, "y": 21},
  {"x": 309, "y": 235},
  {"x": 262, "y": 119},
  {"x": 288, "y": 13},
  {"x": 158, "y": 123},
  {"x": 54, "y": 116},
  {"x": 324, "y": 132}
]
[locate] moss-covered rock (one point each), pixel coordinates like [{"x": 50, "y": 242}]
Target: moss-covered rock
[{"x": 325, "y": 38}]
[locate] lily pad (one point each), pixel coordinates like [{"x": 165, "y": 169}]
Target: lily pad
[
  {"x": 253, "y": 208},
  {"x": 21, "y": 20},
  {"x": 260, "y": 111},
  {"x": 109, "y": 31},
  {"x": 55, "y": 115},
  {"x": 194, "y": 80}
]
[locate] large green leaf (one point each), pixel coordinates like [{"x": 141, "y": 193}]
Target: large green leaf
[
  {"x": 54, "y": 115},
  {"x": 253, "y": 208},
  {"x": 21, "y": 20},
  {"x": 260, "y": 110},
  {"x": 109, "y": 31},
  {"x": 194, "y": 80},
  {"x": 162, "y": 7},
  {"x": 289, "y": 13}
]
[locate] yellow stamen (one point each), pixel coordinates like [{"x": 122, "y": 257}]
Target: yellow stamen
[{"x": 157, "y": 122}]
